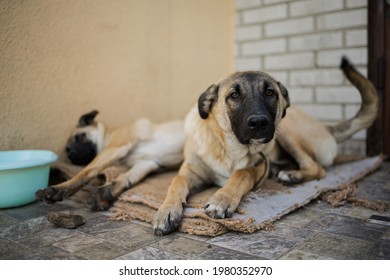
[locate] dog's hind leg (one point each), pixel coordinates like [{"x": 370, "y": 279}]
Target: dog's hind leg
[
  {"x": 106, "y": 158},
  {"x": 112, "y": 190},
  {"x": 309, "y": 169}
]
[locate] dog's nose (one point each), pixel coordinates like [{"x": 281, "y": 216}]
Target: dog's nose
[
  {"x": 70, "y": 152},
  {"x": 258, "y": 122}
]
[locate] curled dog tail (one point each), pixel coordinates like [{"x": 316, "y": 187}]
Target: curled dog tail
[{"x": 368, "y": 108}]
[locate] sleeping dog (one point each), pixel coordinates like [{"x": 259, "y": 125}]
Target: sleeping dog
[{"x": 143, "y": 146}]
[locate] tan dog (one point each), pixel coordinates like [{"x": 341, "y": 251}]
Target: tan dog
[
  {"x": 237, "y": 126},
  {"x": 226, "y": 139},
  {"x": 143, "y": 146}
]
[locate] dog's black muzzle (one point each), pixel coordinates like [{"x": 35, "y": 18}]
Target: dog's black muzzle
[
  {"x": 259, "y": 127},
  {"x": 80, "y": 150},
  {"x": 256, "y": 127}
]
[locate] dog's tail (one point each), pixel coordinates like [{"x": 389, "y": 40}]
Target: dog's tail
[{"x": 368, "y": 108}]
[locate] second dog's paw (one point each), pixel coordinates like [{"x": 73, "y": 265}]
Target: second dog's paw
[
  {"x": 167, "y": 219},
  {"x": 101, "y": 199},
  {"x": 221, "y": 205},
  {"x": 50, "y": 195}
]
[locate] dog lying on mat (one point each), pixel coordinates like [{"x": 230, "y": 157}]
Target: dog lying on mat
[
  {"x": 240, "y": 124},
  {"x": 143, "y": 146}
]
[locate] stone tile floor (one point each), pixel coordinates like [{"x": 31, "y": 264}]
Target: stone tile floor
[{"x": 316, "y": 231}]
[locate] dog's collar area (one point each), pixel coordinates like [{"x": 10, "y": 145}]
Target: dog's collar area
[{"x": 263, "y": 160}]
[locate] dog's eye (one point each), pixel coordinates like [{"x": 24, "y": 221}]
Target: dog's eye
[
  {"x": 80, "y": 137},
  {"x": 269, "y": 92},
  {"x": 234, "y": 95}
]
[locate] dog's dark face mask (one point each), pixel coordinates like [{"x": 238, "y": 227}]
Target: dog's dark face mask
[
  {"x": 254, "y": 103},
  {"x": 81, "y": 150}
]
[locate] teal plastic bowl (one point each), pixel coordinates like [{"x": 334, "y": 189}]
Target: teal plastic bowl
[{"x": 22, "y": 173}]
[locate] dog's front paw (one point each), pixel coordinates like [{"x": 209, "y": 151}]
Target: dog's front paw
[
  {"x": 167, "y": 219},
  {"x": 50, "y": 195},
  {"x": 221, "y": 205},
  {"x": 290, "y": 177}
]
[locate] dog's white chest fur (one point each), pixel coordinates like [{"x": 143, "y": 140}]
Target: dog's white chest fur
[
  {"x": 237, "y": 158},
  {"x": 222, "y": 157},
  {"x": 224, "y": 169}
]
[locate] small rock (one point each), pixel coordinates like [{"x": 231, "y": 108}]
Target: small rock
[{"x": 66, "y": 219}]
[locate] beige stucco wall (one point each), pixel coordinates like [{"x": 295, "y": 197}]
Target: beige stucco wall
[{"x": 126, "y": 58}]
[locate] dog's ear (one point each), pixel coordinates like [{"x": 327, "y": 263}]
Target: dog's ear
[
  {"x": 207, "y": 100},
  {"x": 285, "y": 96},
  {"x": 87, "y": 119}
]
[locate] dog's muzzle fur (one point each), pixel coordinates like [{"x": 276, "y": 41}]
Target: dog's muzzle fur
[{"x": 80, "y": 150}]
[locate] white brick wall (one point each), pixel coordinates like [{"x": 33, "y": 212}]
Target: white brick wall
[
  {"x": 264, "y": 47},
  {"x": 315, "y": 77},
  {"x": 249, "y": 32},
  {"x": 310, "y": 7},
  {"x": 342, "y": 19},
  {"x": 340, "y": 95},
  {"x": 289, "y": 27},
  {"x": 289, "y": 61},
  {"x": 332, "y": 57},
  {"x": 300, "y": 43},
  {"x": 316, "y": 41},
  {"x": 264, "y": 14},
  {"x": 356, "y": 38}
]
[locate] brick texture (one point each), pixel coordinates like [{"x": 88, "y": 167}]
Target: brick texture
[
  {"x": 300, "y": 43},
  {"x": 265, "y": 14},
  {"x": 289, "y": 27}
]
